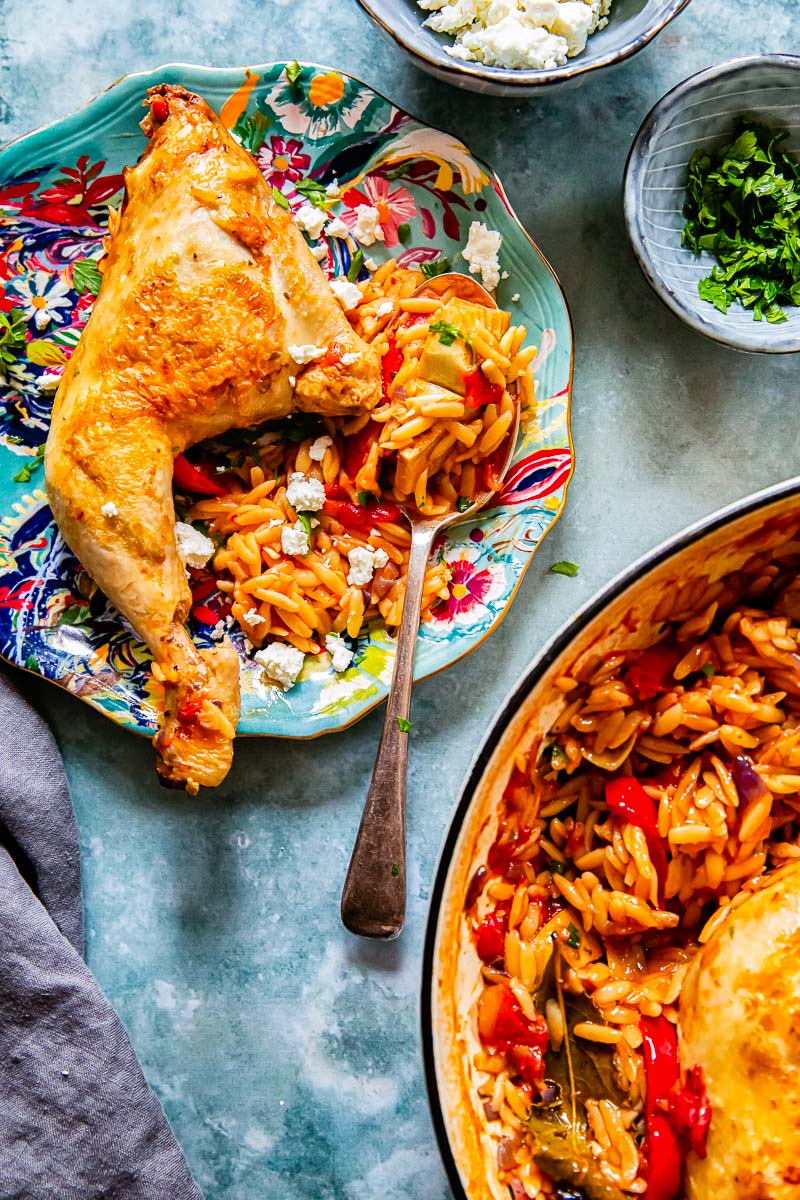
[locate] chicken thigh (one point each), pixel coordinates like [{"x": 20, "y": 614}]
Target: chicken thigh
[{"x": 208, "y": 291}]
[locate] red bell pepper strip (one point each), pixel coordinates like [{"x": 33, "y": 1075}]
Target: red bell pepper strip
[
  {"x": 627, "y": 798},
  {"x": 651, "y": 674},
  {"x": 356, "y": 447},
  {"x": 690, "y": 1110},
  {"x": 664, "y": 1157},
  {"x": 507, "y": 1024},
  {"x": 355, "y": 516},
  {"x": 479, "y": 391},
  {"x": 391, "y": 363},
  {"x": 490, "y": 936},
  {"x": 194, "y": 479}
]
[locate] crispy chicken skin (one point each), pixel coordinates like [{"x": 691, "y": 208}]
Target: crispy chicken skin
[
  {"x": 207, "y": 284},
  {"x": 740, "y": 1022}
]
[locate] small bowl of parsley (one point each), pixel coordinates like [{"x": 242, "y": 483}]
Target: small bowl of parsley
[{"x": 712, "y": 202}]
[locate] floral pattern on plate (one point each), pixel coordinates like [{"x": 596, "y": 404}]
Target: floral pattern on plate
[{"x": 317, "y": 131}]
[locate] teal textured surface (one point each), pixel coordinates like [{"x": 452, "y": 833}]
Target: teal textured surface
[{"x": 286, "y": 1053}]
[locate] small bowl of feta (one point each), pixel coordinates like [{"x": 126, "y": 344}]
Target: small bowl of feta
[{"x": 510, "y": 47}]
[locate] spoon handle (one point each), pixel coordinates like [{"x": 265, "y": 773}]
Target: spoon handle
[{"x": 374, "y": 895}]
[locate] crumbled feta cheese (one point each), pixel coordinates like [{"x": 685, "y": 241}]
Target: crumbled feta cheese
[
  {"x": 292, "y": 381},
  {"x": 384, "y": 308},
  {"x": 370, "y": 264},
  {"x": 306, "y": 353},
  {"x": 333, "y": 190},
  {"x": 282, "y": 664},
  {"x": 218, "y": 632},
  {"x": 49, "y": 381},
  {"x": 336, "y": 228},
  {"x": 517, "y": 34},
  {"x": 348, "y": 359},
  {"x": 109, "y": 509},
  {"x": 348, "y": 294},
  {"x": 316, "y": 450},
  {"x": 363, "y": 564},
  {"x": 274, "y": 523},
  {"x": 305, "y": 494},
  {"x": 515, "y": 298},
  {"x": 367, "y": 229},
  {"x": 481, "y": 250},
  {"x": 320, "y": 251},
  {"x": 254, "y": 617},
  {"x": 193, "y": 546},
  {"x": 311, "y": 220},
  {"x": 341, "y": 656},
  {"x": 294, "y": 539},
  {"x": 504, "y": 275}
]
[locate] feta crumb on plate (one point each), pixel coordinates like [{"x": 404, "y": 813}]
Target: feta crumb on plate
[
  {"x": 294, "y": 539},
  {"x": 306, "y": 353},
  {"x": 218, "y": 632},
  {"x": 348, "y": 359},
  {"x": 481, "y": 250},
  {"x": 531, "y": 35},
  {"x": 363, "y": 564},
  {"x": 253, "y": 617},
  {"x": 341, "y": 655},
  {"x": 109, "y": 509},
  {"x": 305, "y": 494},
  {"x": 320, "y": 251},
  {"x": 282, "y": 664},
  {"x": 367, "y": 229},
  {"x": 311, "y": 219},
  {"x": 515, "y": 298},
  {"x": 316, "y": 451},
  {"x": 193, "y": 546},
  {"x": 336, "y": 228},
  {"x": 370, "y": 264},
  {"x": 348, "y": 294}
]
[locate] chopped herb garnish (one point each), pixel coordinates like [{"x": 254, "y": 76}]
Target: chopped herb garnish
[
  {"x": 431, "y": 269},
  {"x": 463, "y": 503},
  {"x": 564, "y": 568},
  {"x": 365, "y": 499},
  {"x": 403, "y": 725},
  {"x": 292, "y": 72},
  {"x": 556, "y": 868},
  {"x": 743, "y": 207},
  {"x": 558, "y": 757},
  {"x": 707, "y": 669},
  {"x": 13, "y": 440},
  {"x": 395, "y": 869},
  {"x": 447, "y": 332},
  {"x": 12, "y": 336},
  {"x": 86, "y": 277},
  {"x": 404, "y": 232},
  {"x": 305, "y": 520},
  {"x": 573, "y": 936},
  {"x": 356, "y": 263},
  {"x": 23, "y": 475},
  {"x": 279, "y": 198},
  {"x": 314, "y": 191}
]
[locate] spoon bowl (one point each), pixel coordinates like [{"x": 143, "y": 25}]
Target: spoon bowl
[{"x": 374, "y": 894}]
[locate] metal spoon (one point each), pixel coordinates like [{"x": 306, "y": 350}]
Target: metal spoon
[{"x": 374, "y": 894}]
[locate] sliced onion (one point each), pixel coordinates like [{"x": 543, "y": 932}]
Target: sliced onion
[
  {"x": 506, "y": 1159},
  {"x": 490, "y": 1112},
  {"x": 749, "y": 783}
]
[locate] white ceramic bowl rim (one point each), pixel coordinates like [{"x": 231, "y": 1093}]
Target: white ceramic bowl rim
[
  {"x": 634, "y": 169},
  {"x": 509, "y": 707},
  {"x": 524, "y": 80}
]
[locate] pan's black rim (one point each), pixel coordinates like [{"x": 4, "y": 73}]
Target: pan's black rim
[{"x": 509, "y": 707}]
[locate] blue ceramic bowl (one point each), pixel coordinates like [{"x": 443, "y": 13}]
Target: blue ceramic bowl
[
  {"x": 632, "y": 24},
  {"x": 701, "y": 112}
]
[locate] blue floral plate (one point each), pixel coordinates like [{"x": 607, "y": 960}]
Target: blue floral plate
[{"x": 55, "y": 188}]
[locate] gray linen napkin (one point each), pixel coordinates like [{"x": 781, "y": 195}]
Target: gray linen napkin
[{"x": 77, "y": 1119}]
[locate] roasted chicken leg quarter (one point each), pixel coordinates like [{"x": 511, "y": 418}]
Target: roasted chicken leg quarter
[{"x": 207, "y": 284}]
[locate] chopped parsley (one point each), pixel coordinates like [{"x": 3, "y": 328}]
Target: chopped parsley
[
  {"x": 463, "y": 503},
  {"x": 707, "y": 669},
  {"x": 356, "y": 263},
  {"x": 86, "y": 276},
  {"x": 556, "y": 868},
  {"x": 23, "y": 475},
  {"x": 12, "y": 336},
  {"x": 279, "y": 198},
  {"x": 365, "y": 499},
  {"x": 395, "y": 869},
  {"x": 314, "y": 191},
  {"x": 573, "y": 936},
  {"x": 403, "y": 725},
  {"x": 564, "y": 568},
  {"x": 431, "y": 269},
  {"x": 743, "y": 207},
  {"x": 447, "y": 332},
  {"x": 558, "y": 757},
  {"x": 305, "y": 520}
]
